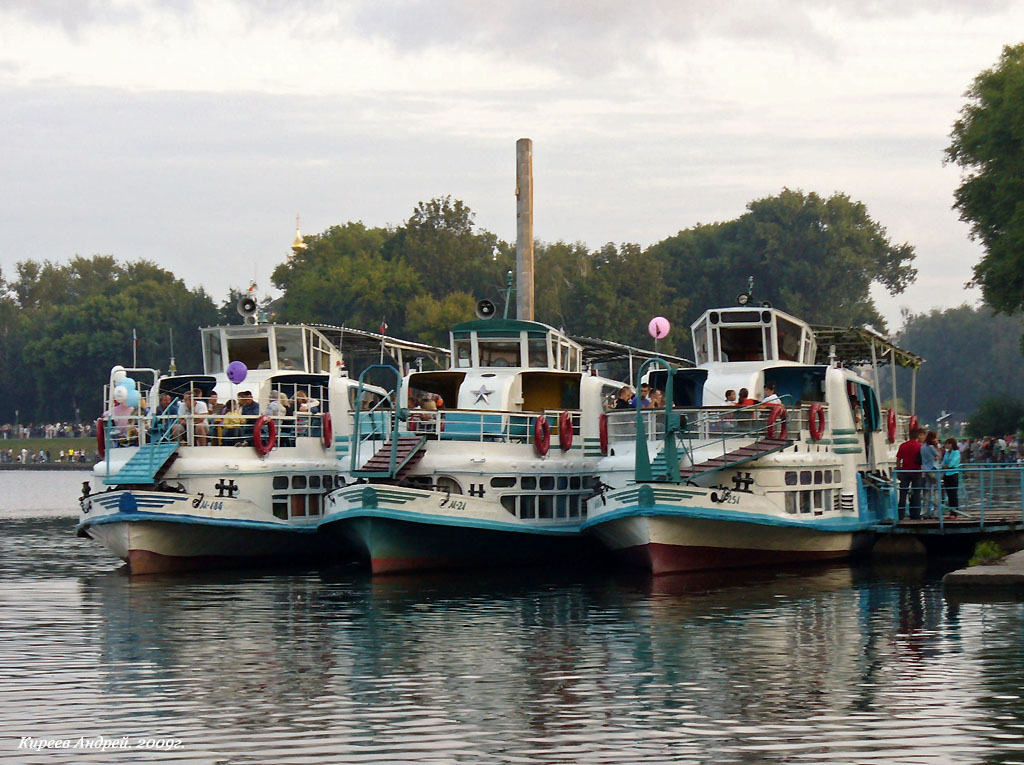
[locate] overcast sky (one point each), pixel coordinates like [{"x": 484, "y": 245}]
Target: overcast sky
[{"x": 191, "y": 132}]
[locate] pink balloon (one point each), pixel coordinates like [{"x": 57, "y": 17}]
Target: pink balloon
[{"x": 659, "y": 327}]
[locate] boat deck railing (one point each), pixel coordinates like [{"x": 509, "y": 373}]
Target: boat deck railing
[
  {"x": 710, "y": 423},
  {"x": 490, "y": 425},
  {"x": 228, "y": 429},
  {"x": 985, "y": 495}
]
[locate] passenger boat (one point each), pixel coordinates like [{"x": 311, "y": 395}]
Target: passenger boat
[
  {"x": 500, "y": 473},
  {"x": 799, "y": 479},
  {"x": 189, "y": 491}
]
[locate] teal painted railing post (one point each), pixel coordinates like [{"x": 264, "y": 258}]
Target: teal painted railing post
[{"x": 642, "y": 468}]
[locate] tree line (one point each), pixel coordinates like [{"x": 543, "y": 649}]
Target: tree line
[{"x": 62, "y": 326}]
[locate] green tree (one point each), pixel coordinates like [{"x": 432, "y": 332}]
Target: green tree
[
  {"x": 988, "y": 144},
  {"x": 996, "y": 416},
  {"x": 812, "y": 256}
]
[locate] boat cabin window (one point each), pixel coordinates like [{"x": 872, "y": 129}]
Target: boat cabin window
[
  {"x": 700, "y": 343},
  {"x": 742, "y": 344},
  {"x": 864, "y": 404},
  {"x": 499, "y": 353},
  {"x": 254, "y": 352},
  {"x": 319, "y": 353},
  {"x": 538, "y": 349},
  {"x": 463, "y": 353},
  {"x": 289, "y": 348},
  {"x": 789, "y": 339},
  {"x": 550, "y": 390},
  {"x": 213, "y": 358}
]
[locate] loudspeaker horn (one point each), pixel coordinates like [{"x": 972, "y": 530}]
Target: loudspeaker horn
[
  {"x": 485, "y": 309},
  {"x": 246, "y": 306}
]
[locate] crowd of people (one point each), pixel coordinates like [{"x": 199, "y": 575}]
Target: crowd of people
[
  {"x": 25, "y": 456},
  {"x": 47, "y": 430}
]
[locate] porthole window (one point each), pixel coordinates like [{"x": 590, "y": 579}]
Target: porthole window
[
  {"x": 818, "y": 476},
  {"x": 298, "y": 482},
  {"x": 547, "y": 483},
  {"x": 545, "y": 507},
  {"x": 280, "y": 482},
  {"x": 805, "y": 477},
  {"x": 574, "y": 482},
  {"x": 328, "y": 481},
  {"x": 527, "y": 507},
  {"x": 790, "y": 478},
  {"x": 503, "y": 481},
  {"x": 529, "y": 482},
  {"x": 314, "y": 482},
  {"x": 828, "y": 476},
  {"x": 563, "y": 483}
]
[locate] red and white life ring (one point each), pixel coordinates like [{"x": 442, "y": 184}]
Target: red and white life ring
[
  {"x": 778, "y": 414},
  {"x": 565, "y": 431},
  {"x": 891, "y": 425},
  {"x": 602, "y": 432},
  {"x": 541, "y": 435},
  {"x": 263, "y": 447},
  {"x": 327, "y": 436},
  {"x": 101, "y": 437},
  {"x": 914, "y": 422},
  {"x": 816, "y": 421}
]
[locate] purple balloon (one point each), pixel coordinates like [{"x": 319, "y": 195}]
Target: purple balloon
[
  {"x": 237, "y": 371},
  {"x": 659, "y": 327}
]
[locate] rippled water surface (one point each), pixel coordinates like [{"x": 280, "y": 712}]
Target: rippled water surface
[{"x": 831, "y": 665}]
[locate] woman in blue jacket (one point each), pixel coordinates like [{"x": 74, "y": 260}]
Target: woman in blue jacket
[{"x": 951, "y": 475}]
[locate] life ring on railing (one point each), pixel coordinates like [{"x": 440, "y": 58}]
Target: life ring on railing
[
  {"x": 541, "y": 435},
  {"x": 891, "y": 425},
  {"x": 263, "y": 447},
  {"x": 778, "y": 413},
  {"x": 565, "y": 431},
  {"x": 602, "y": 433},
  {"x": 914, "y": 423},
  {"x": 101, "y": 436},
  {"x": 327, "y": 436},
  {"x": 816, "y": 421}
]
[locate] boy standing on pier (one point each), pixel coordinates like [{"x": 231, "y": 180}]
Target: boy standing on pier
[{"x": 908, "y": 465}]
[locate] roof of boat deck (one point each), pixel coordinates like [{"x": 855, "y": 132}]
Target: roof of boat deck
[
  {"x": 355, "y": 340},
  {"x": 853, "y": 347}
]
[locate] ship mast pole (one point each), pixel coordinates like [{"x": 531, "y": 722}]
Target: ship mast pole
[{"x": 524, "y": 229}]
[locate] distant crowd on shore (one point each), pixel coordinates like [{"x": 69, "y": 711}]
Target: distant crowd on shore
[
  {"x": 51, "y": 430},
  {"x": 999, "y": 450},
  {"x": 42, "y": 456}
]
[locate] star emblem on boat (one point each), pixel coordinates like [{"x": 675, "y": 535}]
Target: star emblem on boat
[{"x": 481, "y": 394}]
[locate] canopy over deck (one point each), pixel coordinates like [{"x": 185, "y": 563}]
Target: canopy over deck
[
  {"x": 596, "y": 351},
  {"x": 861, "y": 347}
]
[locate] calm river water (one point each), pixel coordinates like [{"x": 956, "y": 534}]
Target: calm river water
[{"x": 318, "y": 666}]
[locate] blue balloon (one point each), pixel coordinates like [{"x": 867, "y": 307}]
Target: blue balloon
[
  {"x": 128, "y": 383},
  {"x": 133, "y": 398},
  {"x": 237, "y": 371}
]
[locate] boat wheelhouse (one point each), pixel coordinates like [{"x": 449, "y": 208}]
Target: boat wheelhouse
[
  {"x": 179, "y": 487},
  {"x": 715, "y": 485}
]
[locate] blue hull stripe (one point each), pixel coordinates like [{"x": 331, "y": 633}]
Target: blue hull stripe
[
  {"x": 730, "y": 516},
  {"x": 441, "y": 520},
  {"x": 193, "y": 520}
]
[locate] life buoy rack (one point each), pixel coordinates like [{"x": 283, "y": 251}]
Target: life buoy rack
[
  {"x": 602, "y": 433},
  {"x": 263, "y": 447},
  {"x": 565, "y": 431},
  {"x": 816, "y": 421},
  {"x": 541, "y": 435},
  {"x": 101, "y": 437},
  {"x": 778, "y": 415},
  {"x": 327, "y": 435},
  {"x": 891, "y": 425}
]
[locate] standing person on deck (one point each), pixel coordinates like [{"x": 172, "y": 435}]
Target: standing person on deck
[
  {"x": 908, "y": 466},
  {"x": 951, "y": 476},
  {"x": 931, "y": 458}
]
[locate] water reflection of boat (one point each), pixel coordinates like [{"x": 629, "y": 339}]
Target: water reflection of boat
[
  {"x": 181, "y": 487},
  {"x": 803, "y": 476}
]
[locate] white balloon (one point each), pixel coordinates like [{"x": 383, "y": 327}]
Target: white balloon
[
  {"x": 120, "y": 394},
  {"x": 118, "y": 375}
]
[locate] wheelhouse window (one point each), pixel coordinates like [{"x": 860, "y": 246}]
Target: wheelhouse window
[
  {"x": 212, "y": 356},
  {"x": 289, "y": 348},
  {"x": 742, "y": 344},
  {"x": 499, "y": 353},
  {"x": 538, "y": 350},
  {"x": 463, "y": 353},
  {"x": 254, "y": 352},
  {"x": 789, "y": 339}
]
